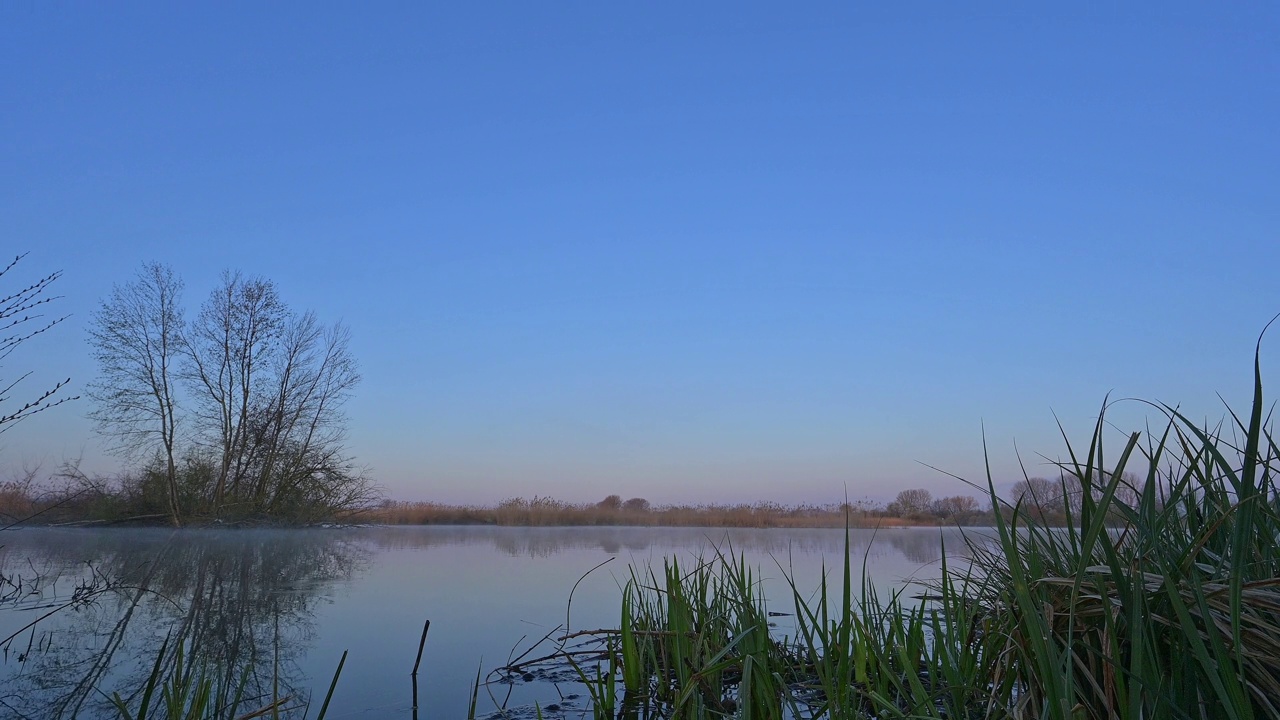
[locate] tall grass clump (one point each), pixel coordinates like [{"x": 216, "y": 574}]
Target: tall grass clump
[
  {"x": 180, "y": 688},
  {"x": 862, "y": 656},
  {"x": 1164, "y": 606},
  {"x": 690, "y": 642},
  {"x": 700, "y": 643}
]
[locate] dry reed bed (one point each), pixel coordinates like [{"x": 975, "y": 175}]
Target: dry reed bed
[{"x": 549, "y": 512}]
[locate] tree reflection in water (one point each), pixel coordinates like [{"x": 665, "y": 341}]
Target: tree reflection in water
[
  {"x": 241, "y": 603},
  {"x": 922, "y": 545}
]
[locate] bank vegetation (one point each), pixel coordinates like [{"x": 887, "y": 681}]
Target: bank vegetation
[{"x": 613, "y": 510}]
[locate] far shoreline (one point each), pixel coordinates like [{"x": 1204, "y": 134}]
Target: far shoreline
[{"x": 538, "y": 512}]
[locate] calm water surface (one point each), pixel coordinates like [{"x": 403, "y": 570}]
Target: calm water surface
[{"x": 296, "y": 599}]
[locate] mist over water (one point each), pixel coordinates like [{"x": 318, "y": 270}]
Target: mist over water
[{"x": 282, "y": 605}]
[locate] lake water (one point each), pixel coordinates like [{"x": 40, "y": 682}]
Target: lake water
[{"x": 257, "y": 600}]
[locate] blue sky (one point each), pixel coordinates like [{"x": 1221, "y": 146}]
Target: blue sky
[{"x": 719, "y": 252}]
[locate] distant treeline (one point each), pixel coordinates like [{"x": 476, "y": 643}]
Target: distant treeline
[
  {"x": 1052, "y": 502},
  {"x": 72, "y": 498},
  {"x": 613, "y": 510}
]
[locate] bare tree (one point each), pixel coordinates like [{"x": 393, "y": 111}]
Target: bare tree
[
  {"x": 271, "y": 386},
  {"x": 137, "y": 337},
  {"x": 957, "y": 507},
  {"x": 1128, "y": 487},
  {"x": 1050, "y": 496},
  {"x": 300, "y": 441},
  {"x": 18, "y": 312},
  {"x": 636, "y": 504},
  {"x": 229, "y": 346},
  {"x": 264, "y": 428},
  {"x": 911, "y": 502}
]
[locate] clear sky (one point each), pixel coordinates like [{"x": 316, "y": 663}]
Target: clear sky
[{"x": 686, "y": 251}]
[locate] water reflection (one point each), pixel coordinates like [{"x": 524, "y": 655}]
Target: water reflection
[
  {"x": 239, "y": 601},
  {"x": 922, "y": 546},
  {"x": 251, "y": 602}
]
